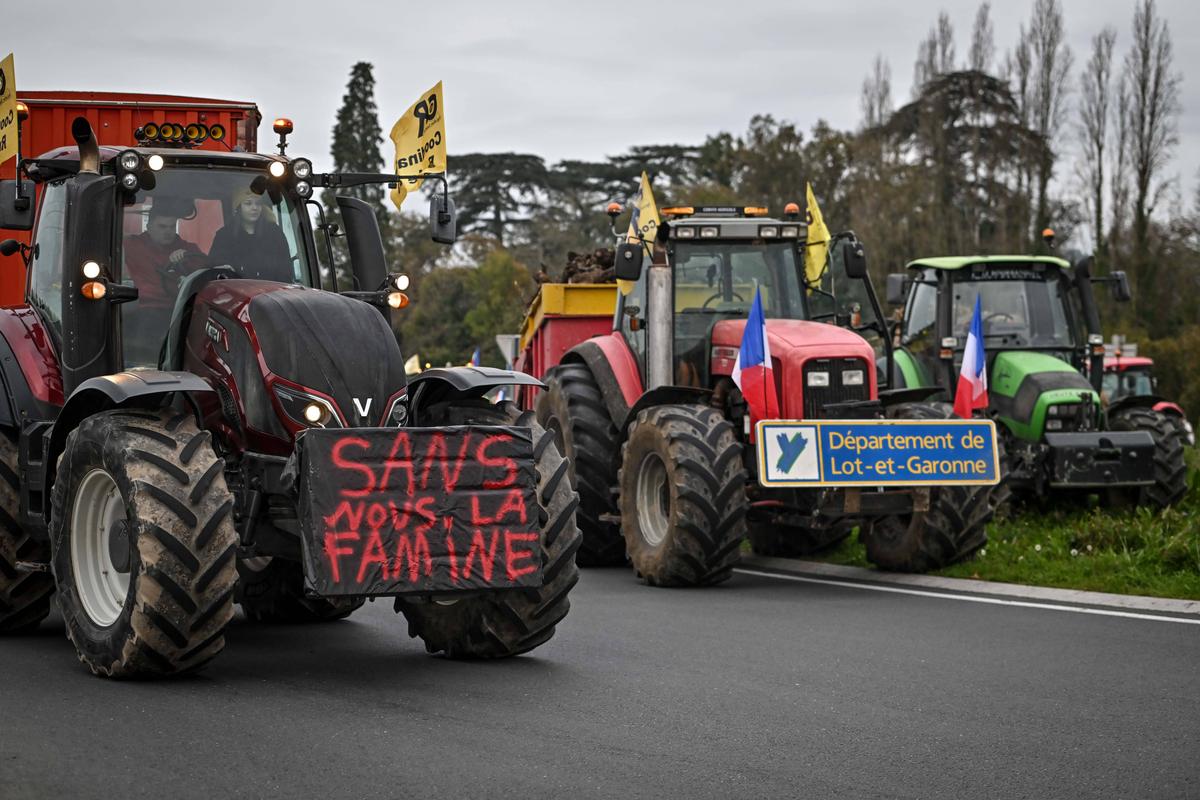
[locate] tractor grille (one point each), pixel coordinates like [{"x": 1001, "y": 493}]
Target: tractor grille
[{"x": 816, "y": 398}]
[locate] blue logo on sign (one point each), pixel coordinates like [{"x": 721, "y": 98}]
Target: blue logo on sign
[{"x": 790, "y": 449}]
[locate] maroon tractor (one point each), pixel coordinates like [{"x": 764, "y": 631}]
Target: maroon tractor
[{"x": 192, "y": 420}]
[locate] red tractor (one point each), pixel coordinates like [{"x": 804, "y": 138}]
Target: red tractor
[
  {"x": 191, "y": 420},
  {"x": 659, "y": 435},
  {"x": 1126, "y": 374}
]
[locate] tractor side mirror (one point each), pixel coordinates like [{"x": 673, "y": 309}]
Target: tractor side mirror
[
  {"x": 627, "y": 263},
  {"x": 854, "y": 259},
  {"x": 1120, "y": 287},
  {"x": 443, "y": 221},
  {"x": 16, "y": 214},
  {"x": 897, "y": 288},
  {"x": 367, "y": 261}
]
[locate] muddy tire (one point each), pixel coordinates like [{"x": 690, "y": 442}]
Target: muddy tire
[
  {"x": 272, "y": 590},
  {"x": 954, "y": 527},
  {"x": 24, "y": 596},
  {"x": 794, "y": 541},
  {"x": 1170, "y": 466},
  {"x": 501, "y": 624},
  {"x": 682, "y": 496},
  {"x": 573, "y": 409},
  {"x": 141, "y": 529}
]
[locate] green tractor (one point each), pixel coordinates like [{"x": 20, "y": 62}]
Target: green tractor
[{"x": 1045, "y": 362}]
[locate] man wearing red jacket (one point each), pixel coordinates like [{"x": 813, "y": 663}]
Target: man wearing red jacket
[{"x": 156, "y": 260}]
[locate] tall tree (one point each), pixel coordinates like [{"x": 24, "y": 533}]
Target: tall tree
[
  {"x": 935, "y": 55},
  {"x": 1152, "y": 116},
  {"x": 983, "y": 44},
  {"x": 1052, "y": 60},
  {"x": 494, "y": 192},
  {"x": 876, "y": 97},
  {"x": 1095, "y": 100},
  {"x": 357, "y": 138}
]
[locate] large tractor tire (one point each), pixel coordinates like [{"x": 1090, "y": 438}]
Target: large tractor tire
[
  {"x": 573, "y": 409},
  {"x": 500, "y": 624},
  {"x": 1170, "y": 466},
  {"x": 272, "y": 590},
  {"x": 953, "y": 528},
  {"x": 24, "y": 596},
  {"x": 682, "y": 496},
  {"x": 145, "y": 551}
]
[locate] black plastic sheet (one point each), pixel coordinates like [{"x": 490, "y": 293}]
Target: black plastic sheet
[{"x": 387, "y": 511}]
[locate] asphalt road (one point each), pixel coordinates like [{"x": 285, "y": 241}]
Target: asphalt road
[{"x": 758, "y": 688}]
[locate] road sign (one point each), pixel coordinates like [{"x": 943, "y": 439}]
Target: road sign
[
  {"x": 877, "y": 453},
  {"x": 8, "y": 110}
]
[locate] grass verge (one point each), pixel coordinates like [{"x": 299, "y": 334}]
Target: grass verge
[{"x": 1103, "y": 550}]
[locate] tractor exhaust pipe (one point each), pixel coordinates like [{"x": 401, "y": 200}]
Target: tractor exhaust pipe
[{"x": 89, "y": 150}]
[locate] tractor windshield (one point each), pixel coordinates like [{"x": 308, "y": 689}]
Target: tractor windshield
[
  {"x": 198, "y": 218},
  {"x": 719, "y": 280},
  {"x": 1022, "y": 308},
  {"x": 1127, "y": 383}
]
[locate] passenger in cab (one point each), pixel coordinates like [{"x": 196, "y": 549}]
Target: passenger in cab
[{"x": 252, "y": 243}]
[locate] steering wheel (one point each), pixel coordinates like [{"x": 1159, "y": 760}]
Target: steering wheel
[
  {"x": 717, "y": 296},
  {"x": 999, "y": 315},
  {"x": 172, "y": 275}
]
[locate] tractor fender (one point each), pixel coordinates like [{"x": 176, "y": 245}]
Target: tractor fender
[
  {"x": 615, "y": 370},
  {"x": 456, "y": 383},
  {"x": 142, "y": 388},
  {"x": 664, "y": 396},
  {"x": 29, "y": 369},
  {"x": 1151, "y": 401}
]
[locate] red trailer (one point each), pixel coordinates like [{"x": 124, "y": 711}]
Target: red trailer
[{"x": 114, "y": 117}]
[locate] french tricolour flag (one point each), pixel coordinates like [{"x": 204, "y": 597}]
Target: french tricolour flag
[
  {"x": 752, "y": 371},
  {"x": 971, "y": 392}
]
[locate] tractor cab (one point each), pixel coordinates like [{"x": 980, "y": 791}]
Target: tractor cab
[{"x": 685, "y": 316}]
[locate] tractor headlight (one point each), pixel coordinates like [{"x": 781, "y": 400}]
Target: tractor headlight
[
  {"x": 130, "y": 161},
  {"x": 818, "y": 379},
  {"x": 710, "y": 232},
  {"x": 155, "y": 162},
  {"x": 768, "y": 231},
  {"x": 91, "y": 270},
  {"x": 790, "y": 232},
  {"x": 304, "y": 189},
  {"x": 306, "y": 409},
  {"x": 277, "y": 169},
  {"x": 129, "y": 181},
  {"x": 853, "y": 377},
  {"x": 1054, "y": 424},
  {"x": 398, "y": 414},
  {"x": 302, "y": 168},
  {"x": 401, "y": 282}
]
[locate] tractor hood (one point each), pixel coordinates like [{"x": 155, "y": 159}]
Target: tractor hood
[
  {"x": 797, "y": 348},
  {"x": 1024, "y": 385}
]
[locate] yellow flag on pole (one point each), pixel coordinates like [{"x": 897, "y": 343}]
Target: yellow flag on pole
[
  {"x": 420, "y": 139},
  {"x": 816, "y": 251},
  {"x": 8, "y": 110},
  {"x": 643, "y": 224}
]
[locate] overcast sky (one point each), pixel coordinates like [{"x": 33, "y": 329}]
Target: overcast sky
[{"x": 559, "y": 79}]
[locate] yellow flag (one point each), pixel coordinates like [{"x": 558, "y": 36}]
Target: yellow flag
[
  {"x": 816, "y": 251},
  {"x": 8, "y": 110},
  {"x": 420, "y": 139},
  {"x": 643, "y": 224}
]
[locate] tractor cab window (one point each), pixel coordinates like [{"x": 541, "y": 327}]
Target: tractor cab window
[
  {"x": 919, "y": 336},
  {"x": 1127, "y": 383},
  {"x": 199, "y": 219},
  {"x": 717, "y": 281},
  {"x": 45, "y": 276},
  {"x": 1021, "y": 307}
]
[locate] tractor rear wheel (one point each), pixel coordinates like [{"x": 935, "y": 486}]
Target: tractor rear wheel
[
  {"x": 1170, "y": 466},
  {"x": 141, "y": 528},
  {"x": 573, "y": 409},
  {"x": 24, "y": 596},
  {"x": 953, "y": 527},
  {"x": 500, "y": 624},
  {"x": 682, "y": 496},
  {"x": 272, "y": 590}
]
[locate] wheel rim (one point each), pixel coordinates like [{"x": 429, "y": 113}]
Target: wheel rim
[
  {"x": 653, "y": 500},
  {"x": 101, "y": 587}
]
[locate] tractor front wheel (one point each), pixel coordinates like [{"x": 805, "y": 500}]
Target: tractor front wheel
[
  {"x": 144, "y": 546},
  {"x": 682, "y": 496},
  {"x": 500, "y": 624},
  {"x": 951, "y": 529}
]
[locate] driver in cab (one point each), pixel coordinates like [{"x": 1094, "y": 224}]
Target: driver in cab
[{"x": 157, "y": 257}]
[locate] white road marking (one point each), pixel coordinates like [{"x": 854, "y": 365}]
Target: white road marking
[{"x": 1103, "y": 612}]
